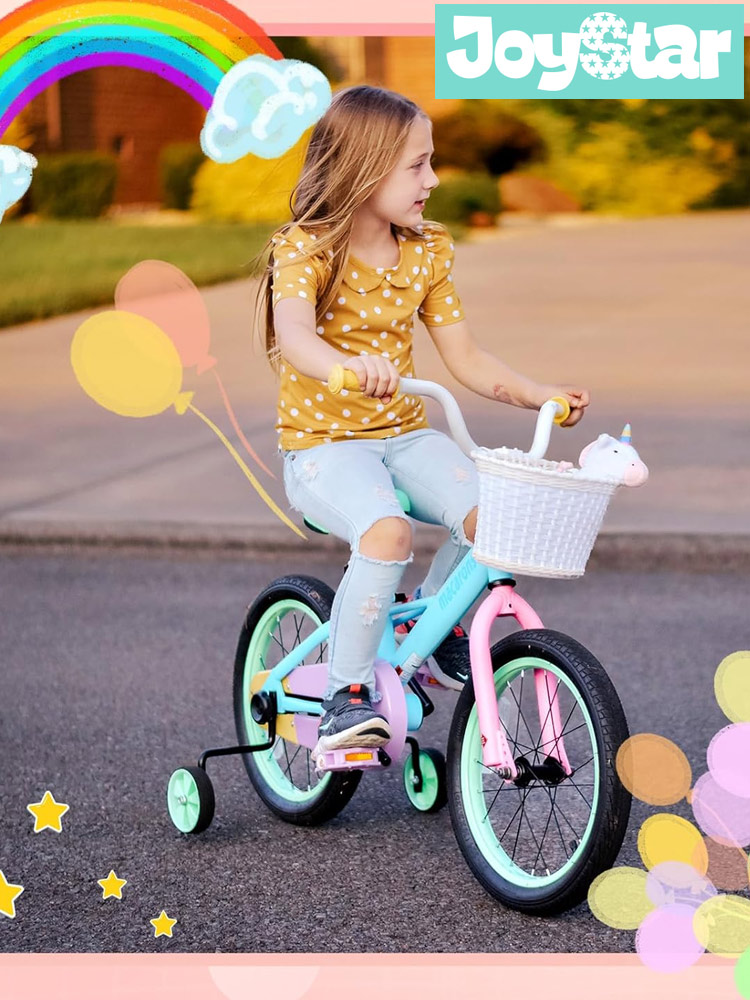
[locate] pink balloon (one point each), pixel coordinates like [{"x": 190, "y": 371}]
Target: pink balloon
[
  {"x": 164, "y": 294},
  {"x": 723, "y": 816},
  {"x": 665, "y": 940},
  {"x": 728, "y": 758}
]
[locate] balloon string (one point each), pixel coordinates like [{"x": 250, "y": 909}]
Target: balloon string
[
  {"x": 238, "y": 459},
  {"x": 236, "y": 426}
]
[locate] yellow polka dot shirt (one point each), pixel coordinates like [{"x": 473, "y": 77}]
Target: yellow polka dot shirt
[{"x": 373, "y": 314}]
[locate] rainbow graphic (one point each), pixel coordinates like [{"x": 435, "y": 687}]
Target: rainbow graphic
[{"x": 191, "y": 44}]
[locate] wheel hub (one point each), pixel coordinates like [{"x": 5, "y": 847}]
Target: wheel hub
[{"x": 549, "y": 772}]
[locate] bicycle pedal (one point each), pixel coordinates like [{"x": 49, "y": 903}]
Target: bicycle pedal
[{"x": 347, "y": 759}]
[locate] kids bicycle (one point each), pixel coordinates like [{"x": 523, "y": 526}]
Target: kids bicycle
[{"x": 535, "y": 802}]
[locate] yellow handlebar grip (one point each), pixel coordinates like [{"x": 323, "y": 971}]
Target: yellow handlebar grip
[
  {"x": 342, "y": 378},
  {"x": 562, "y": 417}
]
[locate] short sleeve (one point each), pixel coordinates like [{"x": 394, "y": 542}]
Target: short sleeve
[
  {"x": 295, "y": 271},
  {"x": 441, "y": 306}
]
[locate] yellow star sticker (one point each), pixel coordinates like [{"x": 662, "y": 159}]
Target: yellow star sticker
[
  {"x": 47, "y": 813},
  {"x": 163, "y": 925},
  {"x": 8, "y": 894},
  {"x": 112, "y": 886}
]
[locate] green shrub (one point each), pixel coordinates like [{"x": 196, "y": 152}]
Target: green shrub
[
  {"x": 480, "y": 136},
  {"x": 615, "y": 170},
  {"x": 73, "y": 185},
  {"x": 178, "y": 165},
  {"x": 459, "y": 196}
]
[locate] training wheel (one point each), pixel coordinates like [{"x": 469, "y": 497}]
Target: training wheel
[
  {"x": 433, "y": 793},
  {"x": 190, "y": 799}
]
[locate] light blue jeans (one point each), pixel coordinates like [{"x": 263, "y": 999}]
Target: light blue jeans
[{"x": 346, "y": 487}]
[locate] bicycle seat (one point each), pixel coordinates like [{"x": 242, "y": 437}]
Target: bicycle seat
[{"x": 402, "y": 497}]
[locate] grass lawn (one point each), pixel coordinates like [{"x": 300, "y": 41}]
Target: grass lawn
[{"x": 51, "y": 268}]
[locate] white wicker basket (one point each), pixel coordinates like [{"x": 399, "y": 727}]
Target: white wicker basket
[{"x": 534, "y": 518}]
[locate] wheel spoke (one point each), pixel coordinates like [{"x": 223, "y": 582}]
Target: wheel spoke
[
  {"x": 287, "y": 766},
  {"x": 536, "y": 842},
  {"x": 521, "y": 716},
  {"x": 532, "y": 828},
  {"x": 553, "y": 801}
]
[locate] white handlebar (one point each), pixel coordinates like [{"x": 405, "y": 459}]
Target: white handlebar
[{"x": 457, "y": 425}]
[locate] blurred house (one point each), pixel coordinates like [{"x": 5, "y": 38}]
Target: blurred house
[
  {"x": 117, "y": 110},
  {"x": 403, "y": 64}
]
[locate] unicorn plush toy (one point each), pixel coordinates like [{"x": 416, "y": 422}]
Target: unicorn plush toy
[{"x": 609, "y": 457}]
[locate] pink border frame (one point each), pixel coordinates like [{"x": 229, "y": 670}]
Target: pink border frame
[
  {"x": 366, "y": 977},
  {"x": 116, "y": 976}
]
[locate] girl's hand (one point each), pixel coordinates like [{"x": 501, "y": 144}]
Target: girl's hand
[
  {"x": 378, "y": 377},
  {"x": 577, "y": 398}
]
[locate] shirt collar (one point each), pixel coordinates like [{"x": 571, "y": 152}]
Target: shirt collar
[{"x": 362, "y": 278}]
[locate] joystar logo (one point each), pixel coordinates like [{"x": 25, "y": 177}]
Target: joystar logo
[{"x": 570, "y": 50}]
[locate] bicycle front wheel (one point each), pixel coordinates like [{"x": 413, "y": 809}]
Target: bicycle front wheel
[{"x": 538, "y": 842}]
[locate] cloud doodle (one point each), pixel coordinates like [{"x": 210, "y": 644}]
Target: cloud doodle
[
  {"x": 16, "y": 168},
  {"x": 262, "y": 106}
]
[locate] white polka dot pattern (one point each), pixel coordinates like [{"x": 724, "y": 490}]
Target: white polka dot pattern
[{"x": 372, "y": 314}]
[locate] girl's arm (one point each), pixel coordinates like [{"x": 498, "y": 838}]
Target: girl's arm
[
  {"x": 300, "y": 345},
  {"x": 294, "y": 323},
  {"x": 483, "y": 373}
]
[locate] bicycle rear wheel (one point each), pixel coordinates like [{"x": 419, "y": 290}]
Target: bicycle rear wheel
[
  {"x": 283, "y": 616},
  {"x": 536, "y": 844}
]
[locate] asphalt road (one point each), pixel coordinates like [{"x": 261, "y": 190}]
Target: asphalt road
[{"x": 117, "y": 668}]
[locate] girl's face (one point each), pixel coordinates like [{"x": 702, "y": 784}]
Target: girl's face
[{"x": 400, "y": 197}]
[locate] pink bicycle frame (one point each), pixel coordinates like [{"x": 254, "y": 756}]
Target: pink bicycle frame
[{"x": 504, "y": 602}]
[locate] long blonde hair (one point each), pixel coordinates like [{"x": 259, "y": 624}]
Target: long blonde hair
[{"x": 352, "y": 148}]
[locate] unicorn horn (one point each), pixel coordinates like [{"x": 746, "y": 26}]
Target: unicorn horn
[{"x": 627, "y": 434}]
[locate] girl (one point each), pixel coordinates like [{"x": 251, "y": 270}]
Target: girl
[{"x": 343, "y": 282}]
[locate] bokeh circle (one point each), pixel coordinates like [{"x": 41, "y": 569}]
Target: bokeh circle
[
  {"x": 653, "y": 769},
  {"x": 618, "y": 897},
  {"x": 665, "y": 940}
]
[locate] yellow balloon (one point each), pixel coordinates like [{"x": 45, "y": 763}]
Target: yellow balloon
[
  {"x": 128, "y": 364},
  {"x": 722, "y": 925},
  {"x": 618, "y": 897},
  {"x": 665, "y": 837},
  {"x": 732, "y": 686}
]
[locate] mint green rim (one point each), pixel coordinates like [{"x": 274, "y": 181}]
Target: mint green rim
[
  {"x": 183, "y": 800},
  {"x": 425, "y": 798},
  {"x": 267, "y": 761},
  {"x": 473, "y": 793}
]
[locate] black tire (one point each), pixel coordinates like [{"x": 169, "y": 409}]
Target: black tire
[
  {"x": 276, "y": 781},
  {"x": 506, "y": 861},
  {"x": 190, "y": 799},
  {"x": 434, "y": 792}
]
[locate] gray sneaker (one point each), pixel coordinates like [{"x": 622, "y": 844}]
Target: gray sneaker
[
  {"x": 450, "y": 663},
  {"x": 349, "y": 721}
]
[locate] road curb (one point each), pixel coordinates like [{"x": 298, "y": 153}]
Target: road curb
[{"x": 643, "y": 551}]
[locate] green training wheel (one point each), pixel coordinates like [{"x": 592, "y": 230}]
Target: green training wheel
[
  {"x": 190, "y": 799},
  {"x": 431, "y": 793}
]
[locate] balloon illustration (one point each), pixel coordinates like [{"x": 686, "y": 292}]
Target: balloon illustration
[
  {"x": 163, "y": 293},
  {"x": 128, "y": 365}
]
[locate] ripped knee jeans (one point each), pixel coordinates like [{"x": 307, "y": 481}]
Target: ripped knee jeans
[{"x": 346, "y": 487}]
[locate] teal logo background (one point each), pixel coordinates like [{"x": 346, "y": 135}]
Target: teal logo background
[{"x": 589, "y": 50}]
